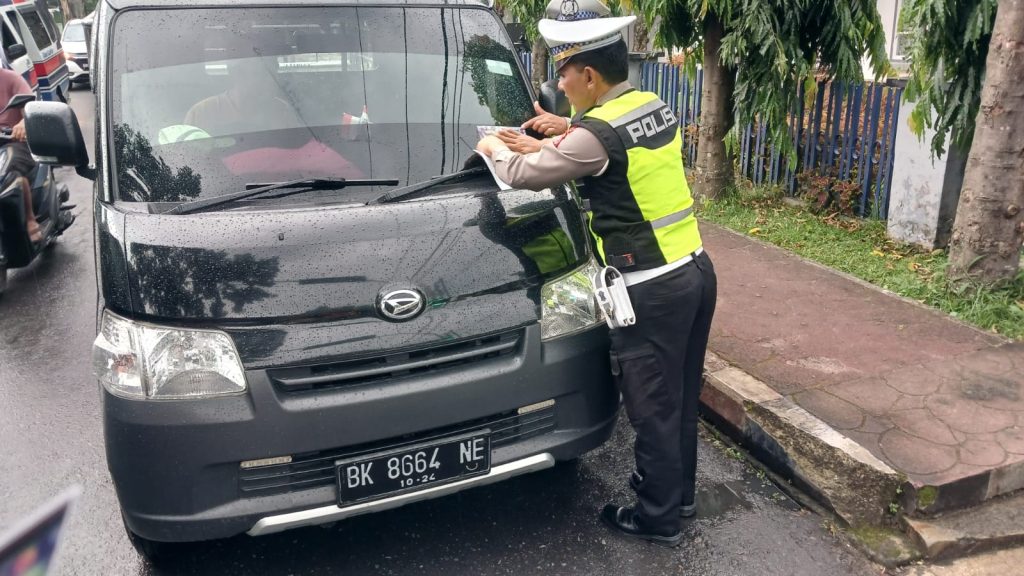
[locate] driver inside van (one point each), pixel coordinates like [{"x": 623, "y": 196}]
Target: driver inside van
[{"x": 254, "y": 102}]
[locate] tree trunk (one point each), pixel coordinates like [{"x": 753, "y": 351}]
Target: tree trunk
[
  {"x": 76, "y": 9},
  {"x": 989, "y": 223},
  {"x": 65, "y": 11},
  {"x": 952, "y": 185},
  {"x": 539, "y": 71},
  {"x": 641, "y": 35},
  {"x": 713, "y": 173}
]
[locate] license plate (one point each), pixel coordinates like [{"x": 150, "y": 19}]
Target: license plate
[{"x": 413, "y": 467}]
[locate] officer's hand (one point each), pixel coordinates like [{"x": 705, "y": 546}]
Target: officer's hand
[
  {"x": 489, "y": 144},
  {"x": 520, "y": 143},
  {"x": 18, "y": 132},
  {"x": 546, "y": 123}
]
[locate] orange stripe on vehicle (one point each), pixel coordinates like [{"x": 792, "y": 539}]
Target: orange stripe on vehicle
[{"x": 46, "y": 68}]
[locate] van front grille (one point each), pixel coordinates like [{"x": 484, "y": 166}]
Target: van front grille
[
  {"x": 395, "y": 365},
  {"x": 317, "y": 468}
]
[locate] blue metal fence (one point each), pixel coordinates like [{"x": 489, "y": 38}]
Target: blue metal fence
[
  {"x": 527, "y": 59},
  {"x": 844, "y": 131}
]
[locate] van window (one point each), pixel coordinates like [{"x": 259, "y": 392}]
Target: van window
[
  {"x": 74, "y": 32},
  {"x": 9, "y": 38},
  {"x": 36, "y": 28},
  {"x": 47, "y": 20},
  {"x": 276, "y": 94}
]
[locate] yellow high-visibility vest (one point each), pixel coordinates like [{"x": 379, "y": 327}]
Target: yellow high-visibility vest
[{"x": 642, "y": 208}]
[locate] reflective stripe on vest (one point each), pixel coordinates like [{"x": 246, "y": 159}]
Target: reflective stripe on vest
[{"x": 642, "y": 209}]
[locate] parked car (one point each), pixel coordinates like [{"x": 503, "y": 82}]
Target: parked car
[
  {"x": 76, "y": 51},
  {"x": 32, "y": 48},
  {"x": 314, "y": 300}
]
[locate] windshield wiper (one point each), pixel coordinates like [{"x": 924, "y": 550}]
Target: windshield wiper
[
  {"x": 406, "y": 191},
  {"x": 254, "y": 189}
]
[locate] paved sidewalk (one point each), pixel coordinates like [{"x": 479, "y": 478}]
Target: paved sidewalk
[{"x": 937, "y": 400}]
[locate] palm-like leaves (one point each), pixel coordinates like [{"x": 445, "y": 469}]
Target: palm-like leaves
[
  {"x": 774, "y": 46},
  {"x": 526, "y": 12},
  {"x": 947, "y": 55}
]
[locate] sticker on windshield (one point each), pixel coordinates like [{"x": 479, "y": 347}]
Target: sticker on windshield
[{"x": 499, "y": 67}]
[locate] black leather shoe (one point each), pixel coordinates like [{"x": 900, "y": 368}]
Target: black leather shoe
[
  {"x": 622, "y": 521},
  {"x": 688, "y": 510}
]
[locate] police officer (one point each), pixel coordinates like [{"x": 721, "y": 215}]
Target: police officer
[{"x": 625, "y": 148}]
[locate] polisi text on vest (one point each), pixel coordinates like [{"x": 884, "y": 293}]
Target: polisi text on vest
[{"x": 651, "y": 124}]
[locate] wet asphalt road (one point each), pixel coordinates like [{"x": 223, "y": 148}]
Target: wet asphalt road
[{"x": 544, "y": 523}]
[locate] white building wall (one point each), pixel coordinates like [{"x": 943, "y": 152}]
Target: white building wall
[{"x": 889, "y": 11}]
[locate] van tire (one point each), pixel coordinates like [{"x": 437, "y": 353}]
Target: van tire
[{"x": 3, "y": 279}]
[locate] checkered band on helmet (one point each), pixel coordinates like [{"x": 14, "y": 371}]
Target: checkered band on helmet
[{"x": 580, "y": 15}]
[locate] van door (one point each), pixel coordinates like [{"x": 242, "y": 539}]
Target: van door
[{"x": 8, "y": 37}]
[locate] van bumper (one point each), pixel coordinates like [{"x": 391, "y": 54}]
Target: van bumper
[{"x": 176, "y": 465}]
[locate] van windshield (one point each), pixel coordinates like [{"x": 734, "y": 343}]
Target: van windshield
[
  {"x": 74, "y": 33},
  {"x": 205, "y": 101}
]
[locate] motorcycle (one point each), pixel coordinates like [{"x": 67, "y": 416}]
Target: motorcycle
[{"x": 54, "y": 215}]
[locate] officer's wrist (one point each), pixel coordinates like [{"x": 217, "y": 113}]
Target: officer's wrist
[{"x": 501, "y": 154}]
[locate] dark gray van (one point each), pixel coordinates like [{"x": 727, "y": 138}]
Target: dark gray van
[{"x": 314, "y": 301}]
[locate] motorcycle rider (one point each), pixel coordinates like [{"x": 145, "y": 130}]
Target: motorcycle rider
[{"x": 13, "y": 119}]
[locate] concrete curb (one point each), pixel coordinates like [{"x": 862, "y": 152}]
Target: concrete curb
[
  {"x": 835, "y": 470},
  {"x": 995, "y": 524},
  {"x": 925, "y": 500}
]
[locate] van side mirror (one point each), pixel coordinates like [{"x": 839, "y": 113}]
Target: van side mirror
[
  {"x": 54, "y": 136},
  {"x": 517, "y": 32},
  {"x": 16, "y": 51},
  {"x": 553, "y": 100}
]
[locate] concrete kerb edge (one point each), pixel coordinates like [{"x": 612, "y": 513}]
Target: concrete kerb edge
[
  {"x": 840, "y": 473},
  {"x": 939, "y": 543},
  {"x": 897, "y": 549}
]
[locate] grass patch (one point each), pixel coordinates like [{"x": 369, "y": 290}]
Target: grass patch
[
  {"x": 926, "y": 496},
  {"x": 861, "y": 248},
  {"x": 885, "y": 545}
]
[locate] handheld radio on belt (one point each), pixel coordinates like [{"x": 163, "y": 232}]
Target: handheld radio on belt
[{"x": 612, "y": 297}]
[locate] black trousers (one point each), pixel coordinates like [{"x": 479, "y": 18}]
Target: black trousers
[{"x": 659, "y": 364}]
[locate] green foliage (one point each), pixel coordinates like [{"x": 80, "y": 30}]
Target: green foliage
[
  {"x": 947, "y": 66},
  {"x": 862, "y": 249},
  {"x": 775, "y": 46},
  {"x": 926, "y": 496},
  {"x": 526, "y": 12}
]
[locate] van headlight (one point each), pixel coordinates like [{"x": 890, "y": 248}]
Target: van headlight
[
  {"x": 144, "y": 361},
  {"x": 568, "y": 304}
]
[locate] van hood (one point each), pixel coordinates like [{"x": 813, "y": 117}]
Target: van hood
[
  {"x": 74, "y": 47},
  {"x": 303, "y": 285}
]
